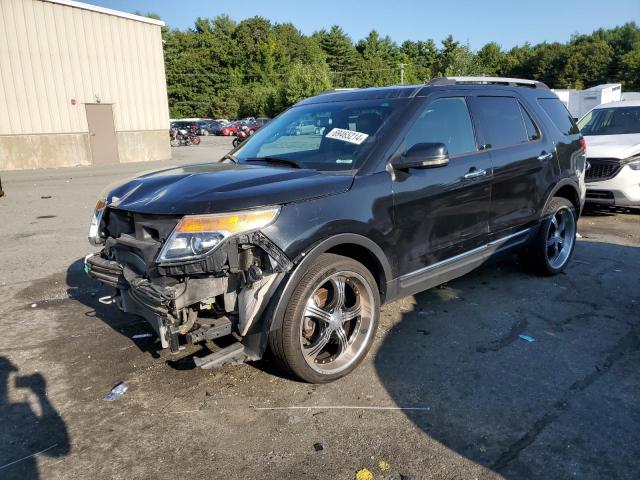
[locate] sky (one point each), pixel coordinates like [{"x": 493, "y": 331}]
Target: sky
[{"x": 508, "y": 23}]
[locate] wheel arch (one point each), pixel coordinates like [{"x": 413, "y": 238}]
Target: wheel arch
[
  {"x": 566, "y": 188},
  {"x": 357, "y": 247}
]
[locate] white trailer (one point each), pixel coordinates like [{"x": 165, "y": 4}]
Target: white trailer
[{"x": 579, "y": 102}]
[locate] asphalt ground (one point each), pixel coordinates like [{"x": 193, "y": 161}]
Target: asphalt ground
[{"x": 449, "y": 391}]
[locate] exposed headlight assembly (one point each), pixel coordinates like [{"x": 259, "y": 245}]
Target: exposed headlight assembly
[
  {"x": 95, "y": 238},
  {"x": 198, "y": 235},
  {"x": 105, "y": 200}
]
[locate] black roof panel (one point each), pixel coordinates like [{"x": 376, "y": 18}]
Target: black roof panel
[{"x": 398, "y": 91}]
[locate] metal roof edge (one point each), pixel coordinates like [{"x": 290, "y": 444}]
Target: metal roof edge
[{"x": 107, "y": 11}]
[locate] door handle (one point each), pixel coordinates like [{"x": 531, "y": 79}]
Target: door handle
[
  {"x": 474, "y": 173},
  {"x": 545, "y": 156}
]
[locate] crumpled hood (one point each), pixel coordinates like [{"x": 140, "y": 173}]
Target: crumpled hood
[
  {"x": 613, "y": 146},
  {"x": 222, "y": 187}
]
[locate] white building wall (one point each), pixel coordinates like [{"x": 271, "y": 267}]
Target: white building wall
[{"x": 52, "y": 53}]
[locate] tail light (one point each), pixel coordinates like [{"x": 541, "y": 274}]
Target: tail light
[{"x": 583, "y": 145}]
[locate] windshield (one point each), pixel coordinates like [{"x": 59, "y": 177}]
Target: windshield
[
  {"x": 611, "y": 121},
  {"x": 327, "y": 136}
]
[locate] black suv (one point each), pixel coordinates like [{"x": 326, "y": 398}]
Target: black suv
[{"x": 292, "y": 242}]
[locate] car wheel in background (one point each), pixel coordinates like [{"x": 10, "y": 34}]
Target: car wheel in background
[
  {"x": 330, "y": 321},
  {"x": 553, "y": 246}
]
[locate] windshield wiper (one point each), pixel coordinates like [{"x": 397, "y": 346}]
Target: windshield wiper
[
  {"x": 286, "y": 161},
  {"x": 228, "y": 156}
]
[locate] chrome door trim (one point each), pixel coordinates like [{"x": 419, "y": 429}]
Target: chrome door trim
[{"x": 447, "y": 261}]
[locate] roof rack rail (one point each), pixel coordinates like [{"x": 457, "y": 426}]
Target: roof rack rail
[
  {"x": 334, "y": 90},
  {"x": 513, "y": 82}
]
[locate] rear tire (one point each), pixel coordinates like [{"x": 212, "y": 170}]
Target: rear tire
[
  {"x": 553, "y": 246},
  {"x": 330, "y": 321}
]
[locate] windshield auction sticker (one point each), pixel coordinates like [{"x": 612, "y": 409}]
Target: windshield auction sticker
[{"x": 347, "y": 136}]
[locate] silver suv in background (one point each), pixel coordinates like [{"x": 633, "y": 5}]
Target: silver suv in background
[{"x": 612, "y": 133}]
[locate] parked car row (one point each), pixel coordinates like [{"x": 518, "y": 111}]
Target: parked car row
[{"x": 221, "y": 127}]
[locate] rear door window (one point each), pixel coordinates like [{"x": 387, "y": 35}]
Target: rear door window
[
  {"x": 501, "y": 121},
  {"x": 559, "y": 115},
  {"x": 444, "y": 120},
  {"x": 532, "y": 130}
]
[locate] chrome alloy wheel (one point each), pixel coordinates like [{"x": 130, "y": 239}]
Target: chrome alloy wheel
[
  {"x": 560, "y": 237},
  {"x": 336, "y": 323}
]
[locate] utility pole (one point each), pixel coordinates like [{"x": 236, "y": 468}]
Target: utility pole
[{"x": 402, "y": 65}]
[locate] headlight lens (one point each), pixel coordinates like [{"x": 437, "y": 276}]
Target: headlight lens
[
  {"x": 95, "y": 238},
  {"x": 634, "y": 164},
  {"x": 198, "y": 235}
]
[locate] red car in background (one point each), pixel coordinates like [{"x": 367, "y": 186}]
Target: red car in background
[
  {"x": 223, "y": 129},
  {"x": 228, "y": 129}
]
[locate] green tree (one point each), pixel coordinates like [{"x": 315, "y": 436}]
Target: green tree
[
  {"x": 491, "y": 59},
  {"x": 220, "y": 68},
  {"x": 630, "y": 70},
  {"x": 380, "y": 60},
  {"x": 341, "y": 55},
  {"x": 446, "y": 55},
  {"x": 463, "y": 62},
  {"x": 421, "y": 58},
  {"x": 587, "y": 64},
  {"x": 546, "y": 63},
  {"x": 303, "y": 81}
]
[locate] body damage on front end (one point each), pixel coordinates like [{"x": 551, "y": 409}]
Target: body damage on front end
[
  {"x": 220, "y": 290},
  {"x": 220, "y": 294}
]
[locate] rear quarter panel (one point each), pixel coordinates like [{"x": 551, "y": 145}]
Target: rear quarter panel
[{"x": 570, "y": 157}]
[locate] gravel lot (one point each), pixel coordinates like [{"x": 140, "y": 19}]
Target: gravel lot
[{"x": 449, "y": 390}]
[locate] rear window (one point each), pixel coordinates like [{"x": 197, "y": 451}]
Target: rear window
[
  {"x": 559, "y": 115},
  {"x": 501, "y": 121}
]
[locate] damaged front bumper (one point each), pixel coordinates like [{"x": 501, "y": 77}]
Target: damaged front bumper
[{"x": 217, "y": 297}]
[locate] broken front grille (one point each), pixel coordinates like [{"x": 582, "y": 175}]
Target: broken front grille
[{"x": 602, "y": 169}]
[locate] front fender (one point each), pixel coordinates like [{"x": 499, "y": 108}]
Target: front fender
[{"x": 275, "y": 306}]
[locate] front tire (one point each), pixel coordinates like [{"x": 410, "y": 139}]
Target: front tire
[
  {"x": 330, "y": 321},
  {"x": 553, "y": 246}
]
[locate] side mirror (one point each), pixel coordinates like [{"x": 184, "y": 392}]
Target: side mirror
[{"x": 422, "y": 155}]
